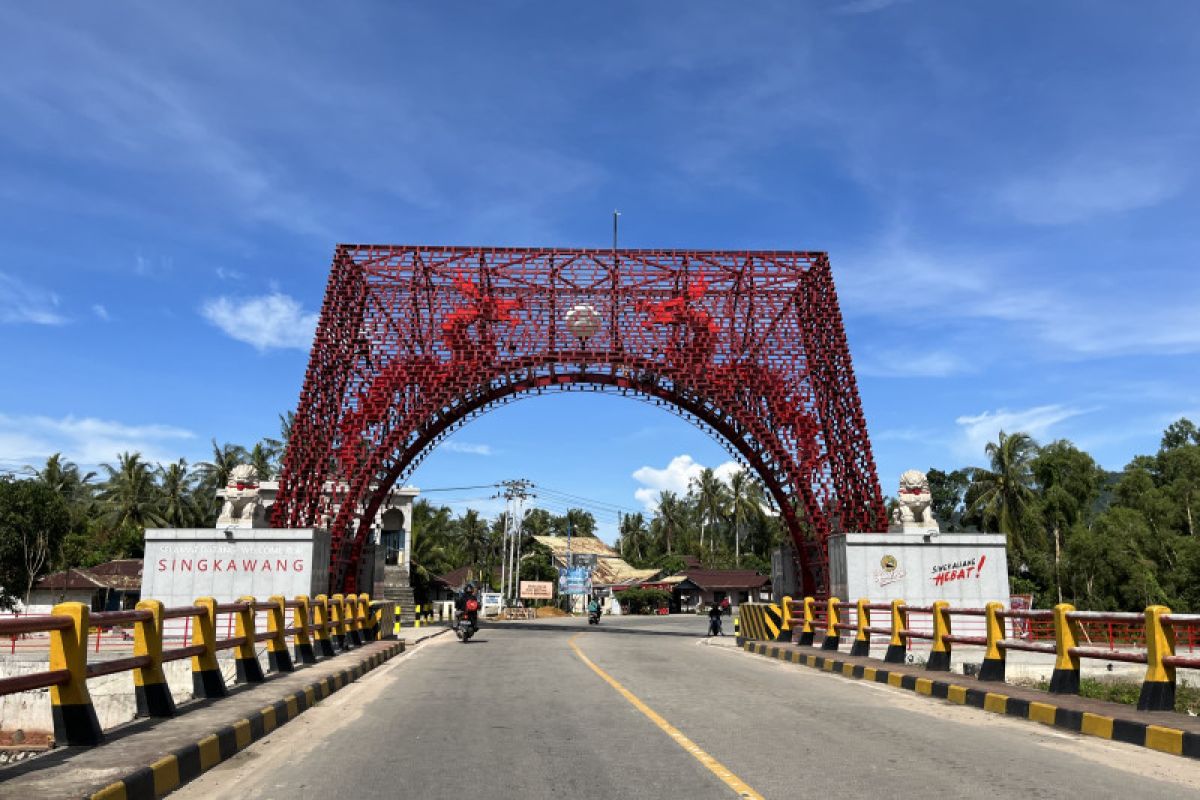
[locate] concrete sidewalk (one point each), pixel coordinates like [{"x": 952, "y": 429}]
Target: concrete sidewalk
[{"x": 150, "y": 757}]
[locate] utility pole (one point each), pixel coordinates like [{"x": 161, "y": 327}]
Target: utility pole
[
  {"x": 515, "y": 492},
  {"x": 615, "y": 215}
]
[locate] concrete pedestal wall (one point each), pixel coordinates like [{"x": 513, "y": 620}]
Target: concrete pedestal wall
[
  {"x": 183, "y": 564},
  {"x": 968, "y": 570}
]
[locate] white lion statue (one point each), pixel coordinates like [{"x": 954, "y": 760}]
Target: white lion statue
[
  {"x": 915, "y": 512},
  {"x": 242, "y": 504}
]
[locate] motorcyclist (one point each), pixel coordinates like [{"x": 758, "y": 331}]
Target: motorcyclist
[
  {"x": 594, "y": 608},
  {"x": 714, "y": 620},
  {"x": 460, "y": 604}
]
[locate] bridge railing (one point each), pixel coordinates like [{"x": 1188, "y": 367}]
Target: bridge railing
[
  {"x": 1161, "y": 633},
  {"x": 319, "y": 627}
]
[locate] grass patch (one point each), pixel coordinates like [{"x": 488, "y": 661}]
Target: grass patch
[{"x": 1187, "y": 698}]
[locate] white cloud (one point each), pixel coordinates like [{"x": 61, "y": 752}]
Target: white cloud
[
  {"x": 1088, "y": 187},
  {"x": 229, "y": 274},
  {"x": 923, "y": 364},
  {"x": 976, "y": 431},
  {"x": 468, "y": 448},
  {"x": 101, "y": 312},
  {"x": 86, "y": 440},
  {"x": 270, "y": 321},
  {"x": 675, "y": 477},
  {"x": 22, "y": 303}
]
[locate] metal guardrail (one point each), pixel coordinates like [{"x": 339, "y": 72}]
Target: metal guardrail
[
  {"x": 320, "y": 627},
  {"x": 1160, "y": 631}
]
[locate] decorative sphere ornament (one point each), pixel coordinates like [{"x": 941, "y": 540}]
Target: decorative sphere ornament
[{"x": 583, "y": 321}]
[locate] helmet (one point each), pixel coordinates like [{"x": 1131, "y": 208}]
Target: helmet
[{"x": 470, "y": 587}]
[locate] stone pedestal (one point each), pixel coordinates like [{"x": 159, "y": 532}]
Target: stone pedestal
[
  {"x": 183, "y": 564},
  {"x": 968, "y": 570}
]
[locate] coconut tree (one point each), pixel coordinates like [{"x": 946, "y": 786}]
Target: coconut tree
[
  {"x": 129, "y": 495},
  {"x": 1003, "y": 496},
  {"x": 671, "y": 519},
  {"x": 634, "y": 537},
  {"x": 214, "y": 474},
  {"x": 744, "y": 502},
  {"x": 177, "y": 504},
  {"x": 710, "y": 499}
]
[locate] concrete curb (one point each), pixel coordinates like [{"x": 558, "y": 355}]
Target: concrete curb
[
  {"x": 189, "y": 762},
  {"x": 1155, "y": 737}
]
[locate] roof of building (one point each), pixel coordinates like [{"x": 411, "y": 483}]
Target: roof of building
[
  {"x": 709, "y": 579},
  {"x": 124, "y": 574},
  {"x": 457, "y": 578},
  {"x": 610, "y": 569}
]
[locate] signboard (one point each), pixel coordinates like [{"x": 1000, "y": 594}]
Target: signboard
[
  {"x": 181, "y": 564},
  {"x": 491, "y": 600},
  {"x": 576, "y": 580},
  {"x": 537, "y": 590}
]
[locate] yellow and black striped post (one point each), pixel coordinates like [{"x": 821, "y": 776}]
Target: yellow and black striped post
[
  {"x": 301, "y": 619},
  {"x": 336, "y": 611},
  {"x": 150, "y": 689},
  {"x": 396, "y": 620},
  {"x": 417, "y": 616},
  {"x": 206, "y": 673},
  {"x": 1158, "y": 688},
  {"x": 278, "y": 657},
  {"x": 897, "y": 647},
  {"x": 245, "y": 657},
  {"x": 862, "y": 639},
  {"x": 321, "y": 627},
  {"x": 992, "y": 668},
  {"x": 350, "y": 617},
  {"x": 785, "y": 620},
  {"x": 75, "y": 720},
  {"x": 807, "y": 632},
  {"x": 939, "y": 655},
  {"x": 1067, "y": 633},
  {"x": 832, "y": 620},
  {"x": 366, "y": 618}
]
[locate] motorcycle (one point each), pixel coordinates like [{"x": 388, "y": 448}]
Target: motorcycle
[
  {"x": 464, "y": 628},
  {"x": 594, "y": 617}
]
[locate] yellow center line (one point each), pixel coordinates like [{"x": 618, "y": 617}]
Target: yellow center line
[{"x": 714, "y": 766}]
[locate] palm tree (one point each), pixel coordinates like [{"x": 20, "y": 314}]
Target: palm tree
[
  {"x": 278, "y": 447},
  {"x": 1002, "y": 496},
  {"x": 633, "y": 537},
  {"x": 129, "y": 494},
  {"x": 671, "y": 514},
  {"x": 262, "y": 457},
  {"x": 63, "y": 477},
  {"x": 710, "y": 499},
  {"x": 177, "y": 505},
  {"x": 215, "y": 474},
  {"x": 473, "y": 536},
  {"x": 744, "y": 502}
]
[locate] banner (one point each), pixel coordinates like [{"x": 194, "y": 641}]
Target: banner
[
  {"x": 537, "y": 590},
  {"x": 576, "y": 580}
]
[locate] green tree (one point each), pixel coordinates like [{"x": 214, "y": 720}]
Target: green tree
[
  {"x": 129, "y": 495},
  {"x": 948, "y": 489},
  {"x": 669, "y": 521},
  {"x": 711, "y": 499},
  {"x": 1179, "y": 433},
  {"x": 744, "y": 503},
  {"x": 1002, "y": 496},
  {"x": 214, "y": 475},
  {"x": 177, "y": 504},
  {"x": 633, "y": 542},
  {"x": 1068, "y": 482},
  {"x": 34, "y": 519}
]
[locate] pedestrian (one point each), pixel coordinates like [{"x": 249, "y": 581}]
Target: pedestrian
[{"x": 714, "y": 620}]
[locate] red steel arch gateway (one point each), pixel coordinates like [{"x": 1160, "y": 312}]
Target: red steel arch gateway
[{"x": 415, "y": 340}]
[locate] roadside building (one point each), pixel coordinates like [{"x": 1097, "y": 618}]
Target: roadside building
[
  {"x": 697, "y": 589},
  {"x": 112, "y": 586}
]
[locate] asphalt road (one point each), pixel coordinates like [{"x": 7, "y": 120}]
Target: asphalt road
[{"x": 518, "y": 713}]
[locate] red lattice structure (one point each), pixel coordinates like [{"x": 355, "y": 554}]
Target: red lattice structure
[{"x": 413, "y": 341}]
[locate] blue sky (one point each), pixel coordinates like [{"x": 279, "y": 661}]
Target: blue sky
[{"x": 1008, "y": 193}]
